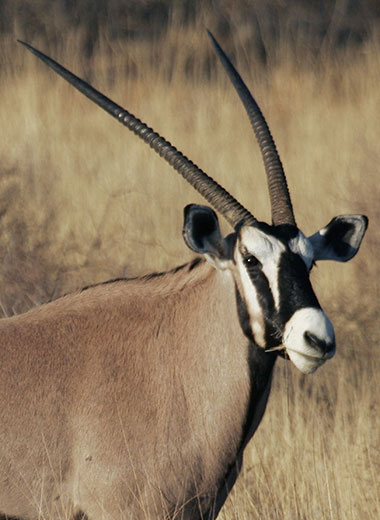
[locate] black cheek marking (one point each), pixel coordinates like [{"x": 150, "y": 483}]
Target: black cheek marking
[
  {"x": 294, "y": 284},
  {"x": 272, "y": 335},
  {"x": 264, "y": 293},
  {"x": 272, "y": 332}
]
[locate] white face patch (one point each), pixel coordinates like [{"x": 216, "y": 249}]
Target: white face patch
[
  {"x": 301, "y": 352},
  {"x": 300, "y": 245},
  {"x": 267, "y": 250}
]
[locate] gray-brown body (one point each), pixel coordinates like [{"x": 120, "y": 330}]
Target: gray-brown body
[
  {"x": 125, "y": 400},
  {"x": 135, "y": 399}
]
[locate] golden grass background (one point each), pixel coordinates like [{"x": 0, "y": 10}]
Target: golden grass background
[{"x": 82, "y": 200}]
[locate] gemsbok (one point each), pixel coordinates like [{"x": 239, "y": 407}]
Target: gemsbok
[{"x": 136, "y": 398}]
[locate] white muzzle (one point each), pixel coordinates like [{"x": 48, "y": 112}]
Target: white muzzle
[{"x": 309, "y": 339}]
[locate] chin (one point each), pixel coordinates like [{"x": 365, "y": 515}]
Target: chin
[{"x": 305, "y": 364}]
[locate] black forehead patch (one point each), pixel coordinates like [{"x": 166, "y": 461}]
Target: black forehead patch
[{"x": 283, "y": 233}]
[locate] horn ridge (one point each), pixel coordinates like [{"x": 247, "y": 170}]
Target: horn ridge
[
  {"x": 211, "y": 190},
  {"x": 281, "y": 206},
  {"x": 216, "y": 195}
]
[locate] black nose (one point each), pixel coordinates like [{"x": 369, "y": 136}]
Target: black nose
[{"x": 325, "y": 348}]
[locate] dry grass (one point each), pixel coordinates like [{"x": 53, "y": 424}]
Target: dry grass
[{"x": 82, "y": 200}]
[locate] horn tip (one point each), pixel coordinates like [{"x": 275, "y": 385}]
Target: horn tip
[
  {"x": 212, "y": 39},
  {"x": 30, "y": 48}
]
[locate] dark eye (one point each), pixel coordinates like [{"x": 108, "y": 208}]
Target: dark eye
[{"x": 251, "y": 261}]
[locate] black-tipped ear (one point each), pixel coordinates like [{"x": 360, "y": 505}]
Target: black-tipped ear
[
  {"x": 201, "y": 231},
  {"x": 340, "y": 239}
]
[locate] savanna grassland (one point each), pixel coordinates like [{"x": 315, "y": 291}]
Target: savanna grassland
[{"x": 82, "y": 200}]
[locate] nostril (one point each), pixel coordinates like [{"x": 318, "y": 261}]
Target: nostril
[{"x": 319, "y": 344}]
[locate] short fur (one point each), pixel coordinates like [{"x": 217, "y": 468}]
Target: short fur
[{"x": 112, "y": 405}]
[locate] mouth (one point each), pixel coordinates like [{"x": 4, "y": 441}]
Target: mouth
[
  {"x": 280, "y": 350},
  {"x": 290, "y": 351},
  {"x": 306, "y": 363},
  {"x": 276, "y": 348}
]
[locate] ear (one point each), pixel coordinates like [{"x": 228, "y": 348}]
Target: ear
[
  {"x": 340, "y": 239},
  {"x": 202, "y": 233}
]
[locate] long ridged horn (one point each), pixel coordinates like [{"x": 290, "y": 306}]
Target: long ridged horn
[
  {"x": 282, "y": 210},
  {"x": 215, "y": 194}
]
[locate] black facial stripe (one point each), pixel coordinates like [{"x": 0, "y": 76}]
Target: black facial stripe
[
  {"x": 272, "y": 332},
  {"x": 264, "y": 293},
  {"x": 294, "y": 286}
]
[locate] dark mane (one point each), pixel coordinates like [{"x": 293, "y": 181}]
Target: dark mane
[{"x": 188, "y": 265}]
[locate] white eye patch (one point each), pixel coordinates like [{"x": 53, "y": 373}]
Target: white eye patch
[{"x": 260, "y": 245}]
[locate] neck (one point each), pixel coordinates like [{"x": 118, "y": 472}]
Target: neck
[
  {"x": 232, "y": 359},
  {"x": 214, "y": 382},
  {"x": 261, "y": 367}
]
